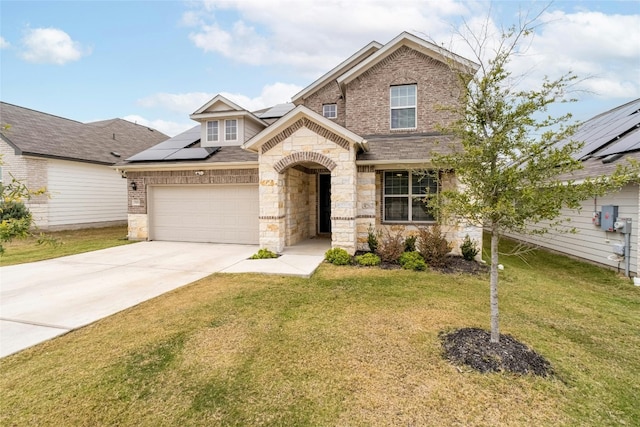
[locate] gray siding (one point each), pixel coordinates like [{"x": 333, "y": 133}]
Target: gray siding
[{"x": 591, "y": 242}]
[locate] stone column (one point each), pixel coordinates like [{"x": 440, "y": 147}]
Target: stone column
[
  {"x": 272, "y": 212},
  {"x": 343, "y": 206}
]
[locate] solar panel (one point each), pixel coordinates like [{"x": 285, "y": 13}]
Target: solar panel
[
  {"x": 607, "y": 132},
  {"x": 151, "y": 155},
  {"x": 629, "y": 142},
  {"x": 180, "y": 141},
  {"x": 277, "y": 111},
  {"x": 196, "y": 153}
]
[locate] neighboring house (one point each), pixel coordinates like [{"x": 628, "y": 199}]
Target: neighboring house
[
  {"x": 73, "y": 161},
  {"x": 345, "y": 155},
  {"x": 610, "y": 139}
]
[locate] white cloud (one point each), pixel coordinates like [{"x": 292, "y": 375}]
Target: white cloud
[
  {"x": 51, "y": 46},
  {"x": 601, "y": 49},
  {"x": 187, "y": 103},
  {"x": 3, "y": 43},
  {"x": 167, "y": 127},
  {"x": 312, "y": 37}
]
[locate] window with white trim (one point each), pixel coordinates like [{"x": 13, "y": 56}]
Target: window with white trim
[
  {"x": 403, "y": 106},
  {"x": 212, "y": 131},
  {"x": 405, "y": 194},
  {"x": 230, "y": 130},
  {"x": 330, "y": 111}
]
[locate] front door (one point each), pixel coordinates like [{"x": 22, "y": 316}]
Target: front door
[{"x": 324, "y": 214}]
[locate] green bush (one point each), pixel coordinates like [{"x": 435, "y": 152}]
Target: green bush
[
  {"x": 13, "y": 210},
  {"x": 412, "y": 261},
  {"x": 469, "y": 248},
  {"x": 410, "y": 244},
  {"x": 433, "y": 246},
  {"x": 369, "y": 260},
  {"x": 337, "y": 256},
  {"x": 264, "y": 254},
  {"x": 372, "y": 238}
]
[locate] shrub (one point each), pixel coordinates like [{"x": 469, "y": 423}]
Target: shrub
[
  {"x": 13, "y": 210},
  {"x": 263, "y": 254},
  {"x": 433, "y": 246},
  {"x": 391, "y": 246},
  {"x": 410, "y": 244},
  {"x": 469, "y": 248},
  {"x": 413, "y": 261},
  {"x": 369, "y": 260},
  {"x": 337, "y": 256},
  {"x": 372, "y": 238}
]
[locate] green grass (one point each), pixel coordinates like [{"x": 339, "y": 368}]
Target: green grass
[
  {"x": 350, "y": 346},
  {"x": 71, "y": 242}
]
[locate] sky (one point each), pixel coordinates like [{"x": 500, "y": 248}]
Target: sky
[{"x": 156, "y": 62}]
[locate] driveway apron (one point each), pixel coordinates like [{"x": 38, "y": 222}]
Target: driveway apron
[{"x": 41, "y": 300}]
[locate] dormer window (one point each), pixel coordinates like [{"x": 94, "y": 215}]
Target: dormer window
[
  {"x": 403, "y": 107},
  {"x": 212, "y": 131},
  {"x": 330, "y": 111},
  {"x": 230, "y": 130}
]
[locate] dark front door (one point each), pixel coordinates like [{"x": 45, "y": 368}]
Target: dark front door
[{"x": 324, "y": 192}]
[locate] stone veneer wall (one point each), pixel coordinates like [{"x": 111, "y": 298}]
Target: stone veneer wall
[
  {"x": 297, "y": 206},
  {"x": 138, "y": 204},
  {"x": 297, "y": 145}
]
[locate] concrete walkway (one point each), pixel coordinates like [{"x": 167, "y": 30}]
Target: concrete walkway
[{"x": 41, "y": 300}]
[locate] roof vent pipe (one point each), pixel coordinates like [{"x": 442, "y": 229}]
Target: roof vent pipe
[{"x": 114, "y": 136}]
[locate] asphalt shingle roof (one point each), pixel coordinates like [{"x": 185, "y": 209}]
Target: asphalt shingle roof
[
  {"x": 36, "y": 133},
  {"x": 406, "y": 147}
]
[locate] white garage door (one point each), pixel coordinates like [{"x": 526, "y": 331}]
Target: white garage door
[{"x": 219, "y": 214}]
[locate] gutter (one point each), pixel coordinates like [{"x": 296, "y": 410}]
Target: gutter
[{"x": 185, "y": 166}]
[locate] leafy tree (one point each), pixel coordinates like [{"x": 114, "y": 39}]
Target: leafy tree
[{"x": 512, "y": 170}]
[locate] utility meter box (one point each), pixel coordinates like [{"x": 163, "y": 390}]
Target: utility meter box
[
  {"x": 623, "y": 225},
  {"x": 618, "y": 248},
  {"x": 608, "y": 217}
]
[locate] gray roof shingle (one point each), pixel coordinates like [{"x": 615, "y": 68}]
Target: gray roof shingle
[{"x": 40, "y": 134}]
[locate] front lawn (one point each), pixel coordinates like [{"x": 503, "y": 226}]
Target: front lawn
[
  {"x": 349, "y": 347},
  {"x": 70, "y": 242}
]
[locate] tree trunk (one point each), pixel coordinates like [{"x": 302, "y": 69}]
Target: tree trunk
[{"x": 495, "y": 326}]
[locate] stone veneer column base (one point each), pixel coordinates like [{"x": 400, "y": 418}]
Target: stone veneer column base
[{"x": 138, "y": 227}]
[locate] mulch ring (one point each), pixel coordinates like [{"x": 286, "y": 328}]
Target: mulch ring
[{"x": 473, "y": 347}]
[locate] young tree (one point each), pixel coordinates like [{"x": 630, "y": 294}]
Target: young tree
[{"x": 512, "y": 169}]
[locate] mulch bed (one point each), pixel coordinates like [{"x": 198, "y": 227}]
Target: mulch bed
[
  {"x": 454, "y": 265},
  {"x": 473, "y": 347}
]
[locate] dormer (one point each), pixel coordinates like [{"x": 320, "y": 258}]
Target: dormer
[{"x": 224, "y": 123}]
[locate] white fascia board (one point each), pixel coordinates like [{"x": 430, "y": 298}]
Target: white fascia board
[
  {"x": 413, "y": 42},
  {"x": 219, "y": 98},
  {"x": 357, "y": 57},
  {"x": 294, "y": 115},
  {"x": 185, "y": 166}
]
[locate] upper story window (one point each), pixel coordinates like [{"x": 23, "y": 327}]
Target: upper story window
[
  {"x": 231, "y": 130},
  {"x": 403, "y": 107},
  {"x": 330, "y": 111},
  {"x": 405, "y": 193},
  {"x": 212, "y": 131}
]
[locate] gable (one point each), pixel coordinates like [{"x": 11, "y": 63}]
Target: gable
[{"x": 296, "y": 119}]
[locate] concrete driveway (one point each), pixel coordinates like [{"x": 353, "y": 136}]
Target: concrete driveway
[{"x": 41, "y": 300}]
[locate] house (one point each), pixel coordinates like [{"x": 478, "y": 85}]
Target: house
[
  {"x": 348, "y": 152},
  {"x": 610, "y": 139},
  {"x": 73, "y": 161}
]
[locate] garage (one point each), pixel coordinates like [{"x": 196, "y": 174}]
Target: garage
[{"x": 204, "y": 213}]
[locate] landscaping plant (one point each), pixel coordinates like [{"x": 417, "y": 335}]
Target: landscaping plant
[
  {"x": 412, "y": 261},
  {"x": 433, "y": 246},
  {"x": 337, "y": 256},
  {"x": 391, "y": 244},
  {"x": 369, "y": 259},
  {"x": 469, "y": 248}
]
